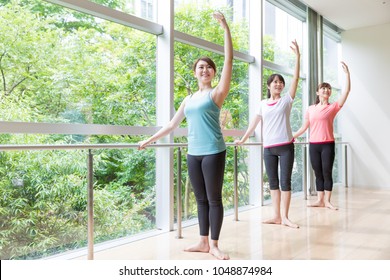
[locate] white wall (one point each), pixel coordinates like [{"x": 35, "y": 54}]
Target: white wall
[{"x": 365, "y": 119}]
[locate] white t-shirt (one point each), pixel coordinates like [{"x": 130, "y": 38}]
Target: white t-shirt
[{"x": 276, "y": 121}]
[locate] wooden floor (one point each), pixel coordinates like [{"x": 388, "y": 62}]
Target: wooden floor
[{"x": 359, "y": 230}]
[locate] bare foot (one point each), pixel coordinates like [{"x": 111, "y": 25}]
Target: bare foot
[
  {"x": 276, "y": 221},
  {"x": 218, "y": 254},
  {"x": 198, "y": 247},
  {"x": 330, "y": 206},
  {"x": 318, "y": 203},
  {"x": 286, "y": 222}
]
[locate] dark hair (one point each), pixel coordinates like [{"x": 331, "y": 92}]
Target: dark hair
[
  {"x": 206, "y": 59},
  {"x": 271, "y": 79},
  {"x": 321, "y": 85}
]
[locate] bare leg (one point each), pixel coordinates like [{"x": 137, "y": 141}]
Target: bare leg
[
  {"x": 202, "y": 246},
  {"x": 320, "y": 200},
  {"x": 216, "y": 252},
  {"x": 329, "y": 205},
  {"x": 286, "y": 198},
  {"x": 277, "y": 219}
]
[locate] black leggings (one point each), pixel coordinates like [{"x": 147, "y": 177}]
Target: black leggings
[
  {"x": 206, "y": 174},
  {"x": 272, "y": 156},
  {"x": 322, "y": 158}
]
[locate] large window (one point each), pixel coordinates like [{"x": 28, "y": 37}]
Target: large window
[
  {"x": 188, "y": 12},
  {"x": 62, "y": 66},
  {"x": 279, "y": 29}
]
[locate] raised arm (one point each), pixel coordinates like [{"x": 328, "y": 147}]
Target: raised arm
[
  {"x": 251, "y": 127},
  {"x": 295, "y": 80},
  {"x": 222, "y": 89},
  {"x": 165, "y": 130},
  {"x": 347, "y": 88}
]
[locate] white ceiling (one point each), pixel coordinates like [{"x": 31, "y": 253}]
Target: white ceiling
[{"x": 352, "y": 14}]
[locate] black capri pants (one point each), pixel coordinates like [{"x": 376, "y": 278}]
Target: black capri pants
[
  {"x": 272, "y": 155},
  {"x": 322, "y": 157},
  {"x": 206, "y": 175}
]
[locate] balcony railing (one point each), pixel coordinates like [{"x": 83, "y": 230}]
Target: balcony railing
[{"x": 179, "y": 147}]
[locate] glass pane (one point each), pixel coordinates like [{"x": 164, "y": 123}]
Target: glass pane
[
  {"x": 43, "y": 208},
  {"x": 298, "y": 169},
  {"x": 124, "y": 193},
  {"x": 194, "y": 17},
  {"x": 331, "y": 61},
  {"x": 146, "y": 9},
  {"x": 280, "y": 29},
  {"x": 188, "y": 202},
  {"x": 242, "y": 176},
  {"x": 332, "y": 70},
  {"x": 338, "y": 163},
  {"x": 44, "y": 199},
  {"x": 67, "y": 67}
]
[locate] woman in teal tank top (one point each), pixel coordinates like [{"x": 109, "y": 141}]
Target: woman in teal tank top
[{"x": 206, "y": 147}]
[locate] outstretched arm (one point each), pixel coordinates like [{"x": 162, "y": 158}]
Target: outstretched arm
[
  {"x": 347, "y": 88},
  {"x": 303, "y": 128},
  {"x": 222, "y": 89},
  {"x": 251, "y": 127},
  {"x": 169, "y": 127},
  {"x": 295, "y": 80}
]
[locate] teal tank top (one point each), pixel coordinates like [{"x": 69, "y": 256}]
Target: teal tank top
[{"x": 204, "y": 131}]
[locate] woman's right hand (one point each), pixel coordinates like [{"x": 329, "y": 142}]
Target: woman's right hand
[
  {"x": 239, "y": 142},
  {"x": 142, "y": 144}
]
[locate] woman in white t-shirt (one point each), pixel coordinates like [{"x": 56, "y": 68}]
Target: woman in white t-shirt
[
  {"x": 278, "y": 141},
  {"x": 320, "y": 118}
]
